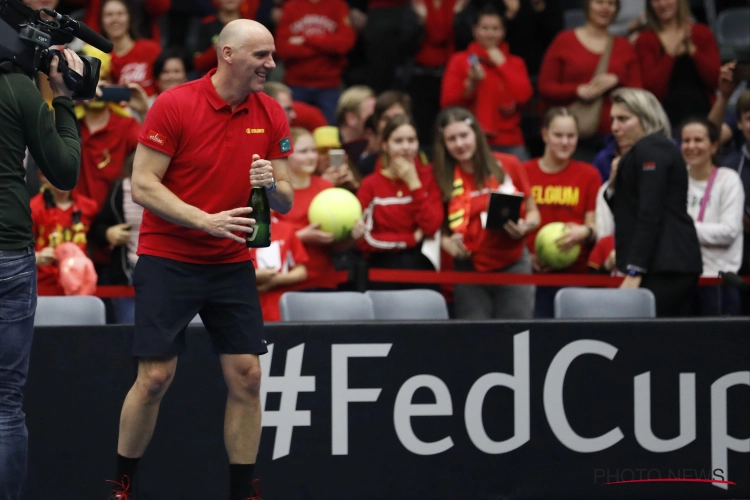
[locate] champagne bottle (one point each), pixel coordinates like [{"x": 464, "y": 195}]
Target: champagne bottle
[{"x": 261, "y": 235}]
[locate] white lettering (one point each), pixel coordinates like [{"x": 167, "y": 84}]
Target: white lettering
[
  {"x": 404, "y": 409},
  {"x": 721, "y": 441},
  {"x": 643, "y": 433}
]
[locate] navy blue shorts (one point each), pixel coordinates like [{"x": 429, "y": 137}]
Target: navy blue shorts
[{"x": 169, "y": 293}]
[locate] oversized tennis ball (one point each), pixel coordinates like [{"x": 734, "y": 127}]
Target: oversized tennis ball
[
  {"x": 547, "y": 250},
  {"x": 336, "y": 210}
]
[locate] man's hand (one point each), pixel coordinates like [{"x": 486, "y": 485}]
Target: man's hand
[
  {"x": 261, "y": 173},
  {"x": 56, "y": 82},
  {"x": 311, "y": 234},
  {"x": 119, "y": 234},
  {"x": 222, "y": 224},
  {"x": 46, "y": 257}
]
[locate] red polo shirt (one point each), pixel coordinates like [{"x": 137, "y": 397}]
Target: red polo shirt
[
  {"x": 211, "y": 148},
  {"x": 103, "y": 153}
]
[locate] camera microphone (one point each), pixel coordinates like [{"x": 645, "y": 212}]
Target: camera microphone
[{"x": 81, "y": 31}]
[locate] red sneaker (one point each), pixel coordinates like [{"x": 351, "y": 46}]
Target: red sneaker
[
  {"x": 122, "y": 489},
  {"x": 256, "y": 491}
]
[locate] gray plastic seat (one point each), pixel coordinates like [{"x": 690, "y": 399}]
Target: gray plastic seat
[
  {"x": 576, "y": 302},
  {"x": 733, "y": 28},
  {"x": 78, "y": 310},
  {"x": 408, "y": 304},
  {"x": 325, "y": 306},
  {"x": 573, "y": 18}
]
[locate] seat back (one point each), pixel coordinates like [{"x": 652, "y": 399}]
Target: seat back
[
  {"x": 733, "y": 28},
  {"x": 575, "y": 302},
  {"x": 73, "y": 310},
  {"x": 325, "y": 306},
  {"x": 408, "y": 304}
]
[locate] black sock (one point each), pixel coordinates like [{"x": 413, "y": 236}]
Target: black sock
[
  {"x": 126, "y": 467},
  {"x": 241, "y": 481}
]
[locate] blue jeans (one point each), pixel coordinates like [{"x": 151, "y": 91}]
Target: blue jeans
[
  {"x": 326, "y": 99},
  {"x": 17, "y": 308}
]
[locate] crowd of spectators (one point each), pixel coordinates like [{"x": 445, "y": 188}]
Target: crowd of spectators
[{"x": 435, "y": 103}]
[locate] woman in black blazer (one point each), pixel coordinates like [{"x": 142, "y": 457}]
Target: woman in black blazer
[{"x": 655, "y": 239}]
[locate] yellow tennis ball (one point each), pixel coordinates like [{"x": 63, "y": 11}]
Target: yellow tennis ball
[
  {"x": 336, "y": 210},
  {"x": 547, "y": 250}
]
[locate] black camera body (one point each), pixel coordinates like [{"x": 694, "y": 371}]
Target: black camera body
[{"x": 26, "y": 38}]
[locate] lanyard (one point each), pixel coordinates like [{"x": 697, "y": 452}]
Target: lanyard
[{"x": 704, "y": 201}]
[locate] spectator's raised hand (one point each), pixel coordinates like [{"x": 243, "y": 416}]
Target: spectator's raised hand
[
  {"x": 476, "y": 73},
  {"x": 727, "y": 83},
  {"x": 420, "y": 9},
  {"x": 406, "y": 170},
  {"x": 511, "y": 8},
  {"x": 138, "y": 99},
  {"x": 496, "y": 56}
]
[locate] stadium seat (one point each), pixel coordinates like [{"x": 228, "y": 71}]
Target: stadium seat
[
  {"x": 408, "y": 304},
  {"x": 573, "y": 18},
  {"x": 732, "y": 31},
  {"x": 325, "y": 306},
  {"x": 78, "y": 310},
  {"x": 575, "y": 302}
]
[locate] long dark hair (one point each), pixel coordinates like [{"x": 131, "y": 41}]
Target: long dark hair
[{"x": 485, "y": 164}]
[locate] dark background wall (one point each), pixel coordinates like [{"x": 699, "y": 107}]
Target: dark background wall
[{"x": 79, "y": 378}]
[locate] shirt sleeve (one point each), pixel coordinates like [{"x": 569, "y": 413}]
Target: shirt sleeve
[
  {"x": 161, "y": 130},
  {"x": 593, "y": 183},
  {"x": 281, "y": 138}
]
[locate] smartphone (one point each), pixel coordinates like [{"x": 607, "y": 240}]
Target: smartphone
[
  {"x": 336, "y": 157},
  {"x": 115, "y": 93},
  {"x": 473, "y": 60}
]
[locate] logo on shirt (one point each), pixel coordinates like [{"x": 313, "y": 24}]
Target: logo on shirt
[
  {"x": 556, "y": 195},
  {"x": 285, "y": 144},
  {"x": 649, "y": 165},
  {"x": 156, "y": 137},
  {"x": 255, "y": 130}
]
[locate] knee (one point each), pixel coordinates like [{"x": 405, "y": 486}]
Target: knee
[
  {"x": 246, "y": 381},
  {"x": 153, "y": 383}
]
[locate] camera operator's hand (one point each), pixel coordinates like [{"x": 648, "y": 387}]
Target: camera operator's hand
[{"x": 56, "y": 82}]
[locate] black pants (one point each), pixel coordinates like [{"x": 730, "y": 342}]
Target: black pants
[
  {"x": 674, "y": 292},
  {"x": 411, "y": 258}
]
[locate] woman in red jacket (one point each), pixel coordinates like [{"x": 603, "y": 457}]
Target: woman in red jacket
[
  {"x": 679, "y": 60},
  {"x": 567, "y": 71},
  {"x": 132, "y": 58},
  {"x": 490, "y": 82},
  {"x": 467, "y": 171},
  {"x": 313, "y": 38},
  {"x": 401, "y": 203}
]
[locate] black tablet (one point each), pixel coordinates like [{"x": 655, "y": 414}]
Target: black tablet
[{"x": 502, "y": 208}]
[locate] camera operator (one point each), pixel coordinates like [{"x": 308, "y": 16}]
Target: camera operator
[{"x": 26, "y": 122}]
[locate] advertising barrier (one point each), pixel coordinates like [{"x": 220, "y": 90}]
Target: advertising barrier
[{"x": 453, "y": 410}]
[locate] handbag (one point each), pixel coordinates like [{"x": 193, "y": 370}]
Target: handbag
[{"x": 588, "y": 114}]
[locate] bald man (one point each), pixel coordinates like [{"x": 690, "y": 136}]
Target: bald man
[{"x": 202, "y": 147}]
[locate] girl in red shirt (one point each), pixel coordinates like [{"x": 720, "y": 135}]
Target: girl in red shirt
[
  {"x": 491, "y": 82},
  {"x": 567, "y": 71},
  {"x": 679, "y": 60},
  {"x": 132, "y": 58},
  {"x": 467, "y": 171},
  {"x": 401, "y": 203},
  {"x": 565, "y": 190},
  {"x": 302, "y": 164}
]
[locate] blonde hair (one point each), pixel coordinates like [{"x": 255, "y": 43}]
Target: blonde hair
[
  {"x": 646, "y": 107},
  {"x": 350, "y": 100},
  {"x": 273, "y": 89},
  {"x": 297, "y": 132},
  {"x": 683, "y": 15}
]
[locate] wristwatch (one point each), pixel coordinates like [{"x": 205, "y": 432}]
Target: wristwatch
[{"x": 273, "y": 186}]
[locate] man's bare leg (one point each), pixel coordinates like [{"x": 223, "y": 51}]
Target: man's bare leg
[{"x": 242, "y": 419}]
